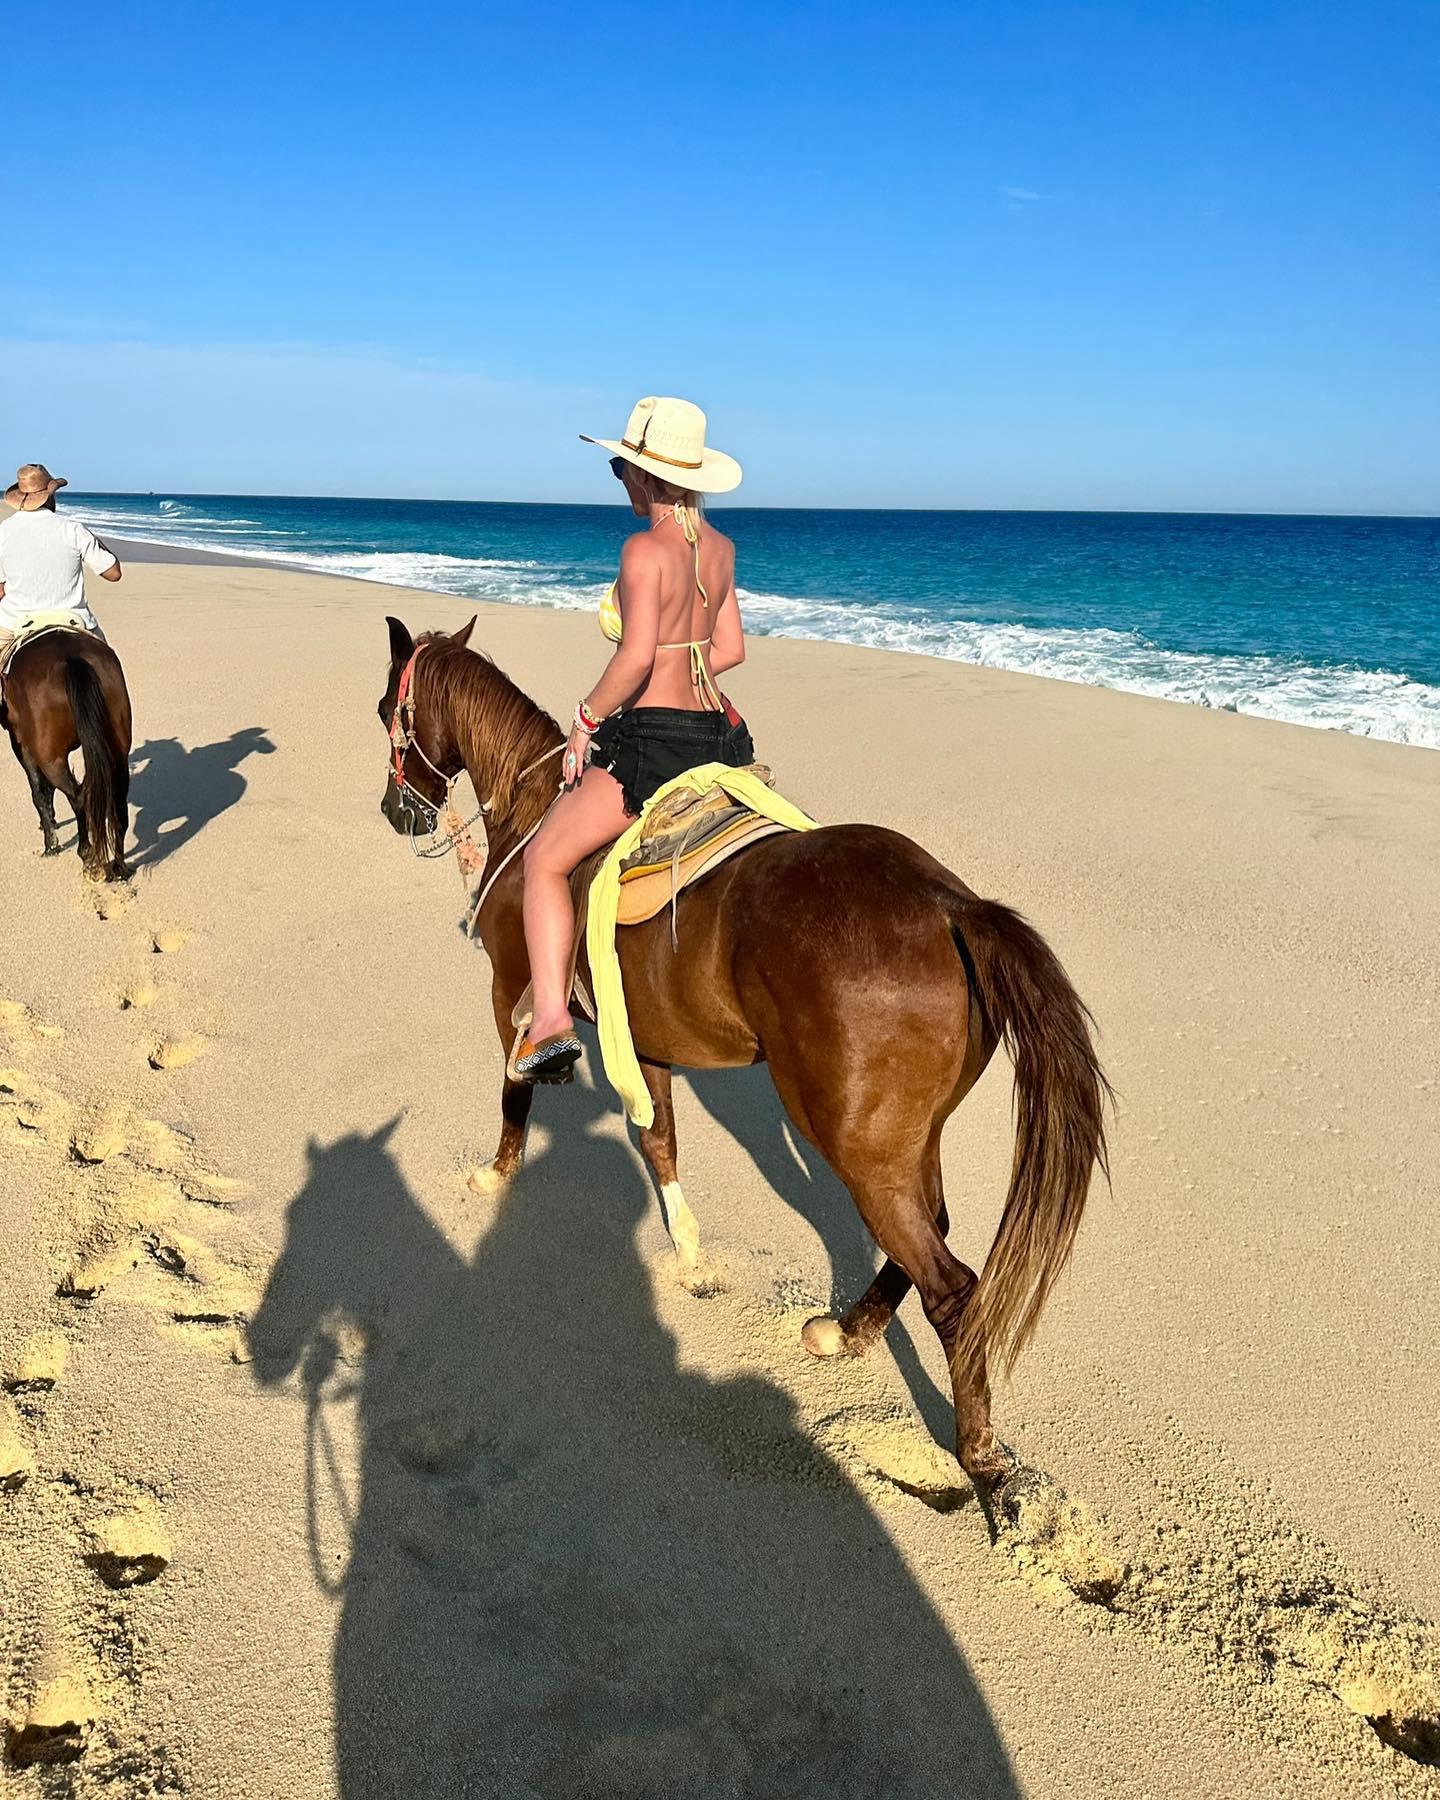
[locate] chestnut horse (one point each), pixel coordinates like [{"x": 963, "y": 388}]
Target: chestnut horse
[
  {"x": 872, "y": 981},
  {"x": 65, "y": 691}
]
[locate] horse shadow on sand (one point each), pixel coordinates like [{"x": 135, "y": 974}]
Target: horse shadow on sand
[
  {"x": 186, "y": 790},
  {"x": 743, "y": 1102},
  {"x": 575, "y": 1567}
]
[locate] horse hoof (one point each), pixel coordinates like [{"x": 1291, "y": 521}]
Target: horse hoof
[
  {"x": 486, "y": 1180},
  {"x": 822, "y": 1336}
]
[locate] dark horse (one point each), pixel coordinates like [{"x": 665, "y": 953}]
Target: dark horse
[
  {"x": 873, "y": 982},
  {"x": 65, "y": 691}
]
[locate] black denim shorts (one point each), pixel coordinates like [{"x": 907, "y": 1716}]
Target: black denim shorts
[{"x": 650, "y": 745}]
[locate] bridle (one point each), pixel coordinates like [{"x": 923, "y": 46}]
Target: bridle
[{"x": 470, "y": 856}]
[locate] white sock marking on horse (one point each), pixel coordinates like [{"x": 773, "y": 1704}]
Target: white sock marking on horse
[{"x": 680, "y": 1223}]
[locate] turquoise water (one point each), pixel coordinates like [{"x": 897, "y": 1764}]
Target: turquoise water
[{"x": 1321, "y": 621}]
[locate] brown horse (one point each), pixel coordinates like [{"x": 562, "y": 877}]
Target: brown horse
[
  {"x": 872, "y": 981},
  {"x": 65, "y": 691}
]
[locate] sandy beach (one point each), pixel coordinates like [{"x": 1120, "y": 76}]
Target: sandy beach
[{"x": 325, "y": 1473}]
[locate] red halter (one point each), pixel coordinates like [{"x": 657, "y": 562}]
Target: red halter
[{"x": 402, "y": 732}]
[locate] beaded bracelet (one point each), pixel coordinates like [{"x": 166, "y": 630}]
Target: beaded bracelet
[{"x": 585, "y": 719}]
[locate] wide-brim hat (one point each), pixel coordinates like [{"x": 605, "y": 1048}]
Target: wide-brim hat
[
  {"x": 32, "y": 480},
  {"x": 667, "y": 437}
]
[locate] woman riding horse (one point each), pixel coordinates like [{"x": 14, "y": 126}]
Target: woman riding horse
[{"x": 656, "y": 711}]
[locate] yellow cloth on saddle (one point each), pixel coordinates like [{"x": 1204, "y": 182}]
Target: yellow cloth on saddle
[{"x": 617, "y": 1048}]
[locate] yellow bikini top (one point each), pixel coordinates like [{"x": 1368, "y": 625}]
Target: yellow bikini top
[{"x": 612, "y": 625}]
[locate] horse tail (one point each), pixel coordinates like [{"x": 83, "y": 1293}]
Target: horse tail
[
  {"x": 100, "y": 790},
  {"x": 1060, "y": 1096}
]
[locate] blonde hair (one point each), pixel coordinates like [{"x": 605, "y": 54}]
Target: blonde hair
[{"x": 690, "y": 503}]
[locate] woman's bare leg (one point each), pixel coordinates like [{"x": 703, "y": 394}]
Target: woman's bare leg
[{"x": 588, "y": 817}]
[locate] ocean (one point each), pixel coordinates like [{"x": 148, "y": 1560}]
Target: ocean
[{"x": 1328, "y": 622}]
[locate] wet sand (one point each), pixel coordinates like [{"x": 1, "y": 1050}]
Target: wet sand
[{"x": 324, "y": 1474}]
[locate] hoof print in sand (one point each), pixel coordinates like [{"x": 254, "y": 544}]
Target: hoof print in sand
[
  {"x": 138, "y": 994},
  {"x": 1052, "y": 1541},
  {"x": 167, "y": 941},
  {"x": 437, "y": 1447},
  {"x": 98, "y": 1141},
  {"x": 892, "y": 1457},
  {"x": 129, "y": 1549},
  {"x": 17, "y": 1021},
  {"x": 57, "y": 1724},
  {"x": 39, "y": 1365},
  {"x": 176, "y": 1053},
  {"x": 17, "y": 1460}
]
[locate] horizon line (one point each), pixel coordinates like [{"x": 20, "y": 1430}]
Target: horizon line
[{"x": 1155, "y": 512}]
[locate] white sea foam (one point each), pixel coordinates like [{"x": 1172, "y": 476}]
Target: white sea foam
[{"x": 1367, "y": 703}]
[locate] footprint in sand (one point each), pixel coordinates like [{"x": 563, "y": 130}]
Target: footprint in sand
[
  {"x": 17, "y": 1459},
  {"x": 109, "y": 899},
  {"x": 39, "y": 1365},
  {"x": 98, "y": 1139},
  {"x": 59, "y": 1719},
  {"x": 35, "y": 1108},
  {"x": 138, "y": 993},
  {"x": 168, "y": 940},
  {"x": 178, "y": 1052},
  {"x": 130, "y": 1547},
  {"x": 891, "y": 1457},
  {"x": 1230, "y": 1594},
  {"x": 20, "y": 1024}
]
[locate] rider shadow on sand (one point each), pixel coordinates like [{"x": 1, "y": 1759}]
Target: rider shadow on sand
[
  {"x": 743, "y": 1102},
  {"x": 576, "y": 1567},
  {"x": 187, "y": 789}
]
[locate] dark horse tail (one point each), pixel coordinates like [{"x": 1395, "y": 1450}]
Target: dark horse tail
[
  {"x": 1060, "y": 1096},
  {"x": 99, "y": 792}
]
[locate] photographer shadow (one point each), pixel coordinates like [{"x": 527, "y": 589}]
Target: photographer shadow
[{"x": 575, "y": 1567}]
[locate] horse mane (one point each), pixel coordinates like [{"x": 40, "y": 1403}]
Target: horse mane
[{"x": 496, "y": 726}]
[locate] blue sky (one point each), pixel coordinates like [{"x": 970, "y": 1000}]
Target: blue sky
[{"x": 1147, "y": 255}]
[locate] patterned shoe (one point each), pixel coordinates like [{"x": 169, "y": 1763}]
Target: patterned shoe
[{"x": 552, "y": 1059}]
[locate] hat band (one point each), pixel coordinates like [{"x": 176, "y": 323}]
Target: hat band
[{"x": 643, "y": 449}]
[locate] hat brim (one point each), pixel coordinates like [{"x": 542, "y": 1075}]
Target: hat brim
[
  {"x": 15, "y": 495},
  {"x": 717, "y": 474}
]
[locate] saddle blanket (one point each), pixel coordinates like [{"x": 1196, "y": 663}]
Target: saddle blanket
[{"x": 749, "y": 801}]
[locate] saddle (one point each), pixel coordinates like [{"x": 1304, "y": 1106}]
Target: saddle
[
  {"x": 687, "y": 837},
  {"x": 35, "y": 625}
]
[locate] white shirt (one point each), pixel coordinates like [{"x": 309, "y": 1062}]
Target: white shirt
[{"x": 43, "y": 556}]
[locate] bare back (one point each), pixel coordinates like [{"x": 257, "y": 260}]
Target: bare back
[{"x": 684, "y": 617}]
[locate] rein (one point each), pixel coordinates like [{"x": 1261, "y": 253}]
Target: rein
[{"x": 470, "y": 856}]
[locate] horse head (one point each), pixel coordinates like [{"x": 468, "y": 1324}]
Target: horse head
[{"x": 421, "y": 746}]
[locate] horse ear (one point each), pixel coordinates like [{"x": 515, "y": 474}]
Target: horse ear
[
  {"x": 402, "y": 645},
  {"x": 461, "y": 637}
]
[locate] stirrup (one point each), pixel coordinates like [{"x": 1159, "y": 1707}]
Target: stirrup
[{"x": 552, "y": 1059}]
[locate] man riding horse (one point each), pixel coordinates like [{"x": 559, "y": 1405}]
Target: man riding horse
[
  {"x": 43, "y": 558},
  {"x": 61, "y": 685}
]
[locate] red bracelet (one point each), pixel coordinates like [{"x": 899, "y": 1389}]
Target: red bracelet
[{"x": 585, "y": 719}]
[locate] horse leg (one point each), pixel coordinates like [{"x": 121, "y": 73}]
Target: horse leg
[
  {"x": 59, "y": 774},
  {"x": 516, "y": 1099},
  {"x": 42, "y": 792},
  {"x": 853, "y": 1333},
  {"x": 120, "y": 869},
  {"x": 900, "y": 1219},
  {"x": 658, "y": 1144},
  {"x": 898, "y": 1194}
]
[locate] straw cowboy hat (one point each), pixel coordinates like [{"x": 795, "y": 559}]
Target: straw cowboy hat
[
  {"x": 34, "y": 485},
  {"x": 667, "y": 437}
]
